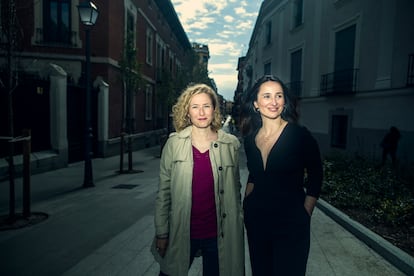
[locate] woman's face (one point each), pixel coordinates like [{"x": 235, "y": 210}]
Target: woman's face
[
  {"x": 270, "y": 100},
  {"x": 201, "y": 110}
]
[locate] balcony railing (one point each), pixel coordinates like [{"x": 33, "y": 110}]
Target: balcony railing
[
  {"x": 410, "y": 71},
  {"x": 339, "y": 82}
]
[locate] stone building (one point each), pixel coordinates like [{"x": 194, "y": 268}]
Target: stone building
[{"x": 351, "y": 64}]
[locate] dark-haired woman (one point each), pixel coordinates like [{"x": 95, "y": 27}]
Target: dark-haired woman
[{"x": 281, "y": 157}]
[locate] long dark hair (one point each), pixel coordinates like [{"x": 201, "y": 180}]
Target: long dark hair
[{"x": 250, "y": 118}]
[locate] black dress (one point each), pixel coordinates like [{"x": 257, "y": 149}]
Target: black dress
[{"x": 277, "y": 224}]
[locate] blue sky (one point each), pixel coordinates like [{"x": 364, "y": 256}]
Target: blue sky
[{"x": 225, "y": 26}]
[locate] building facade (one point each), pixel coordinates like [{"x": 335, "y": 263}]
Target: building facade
[
  {"x": 203, "y": 53},
  {"x": 48, "y": 59},
  {"x": 351, "y": 64}
]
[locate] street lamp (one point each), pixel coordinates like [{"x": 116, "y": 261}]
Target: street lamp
[{"x": 88, "y": 13}]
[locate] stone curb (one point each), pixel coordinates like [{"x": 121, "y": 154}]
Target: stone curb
[{"x": 388, "y": 251}]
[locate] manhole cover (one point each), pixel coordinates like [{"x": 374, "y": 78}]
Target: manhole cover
[{"x": 125, "y": 186}]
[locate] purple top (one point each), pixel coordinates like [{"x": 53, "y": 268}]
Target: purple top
[{"x": 203, "y": 208}]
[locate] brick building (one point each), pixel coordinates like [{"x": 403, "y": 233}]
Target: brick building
[{"x": 48, "y": 73}]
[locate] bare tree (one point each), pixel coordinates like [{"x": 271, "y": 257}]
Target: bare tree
[
  {"x": 131, "y": 75},
  {"x": 10, "y": 40}
]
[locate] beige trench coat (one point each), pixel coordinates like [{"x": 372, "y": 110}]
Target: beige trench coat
[{"x": 173, "y": 203}]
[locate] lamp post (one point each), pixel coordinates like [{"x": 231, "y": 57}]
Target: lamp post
[{"x": 88, "y": 13}]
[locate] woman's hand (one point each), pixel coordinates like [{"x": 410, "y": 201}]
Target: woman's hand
[
  {"x": 249, "y": 189},
  {"x": 309, "y": 204},
  {"x": 161, "y": 245}
]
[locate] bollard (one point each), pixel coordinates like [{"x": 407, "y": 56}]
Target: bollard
[
  {"x": 26, "y": 172},
  {"x": 121, "y": 156},
  {"x": 130, "y": 152}
]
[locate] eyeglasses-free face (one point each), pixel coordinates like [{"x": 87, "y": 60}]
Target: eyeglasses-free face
[
  {"x": 270, "y": 99},
  {"x": 201, "y": 110}
]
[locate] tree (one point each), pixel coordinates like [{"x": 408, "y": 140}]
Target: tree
[
  {"x": 10, "y": 44},
  {"x": 131, "y": 76},
  {"x": 170, "y": 87}
]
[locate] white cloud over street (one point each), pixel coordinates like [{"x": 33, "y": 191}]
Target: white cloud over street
[{"x": 225, "y": 26}]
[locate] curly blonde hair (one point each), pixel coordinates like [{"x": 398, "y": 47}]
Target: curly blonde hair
[{"x": 181, "y": 108}]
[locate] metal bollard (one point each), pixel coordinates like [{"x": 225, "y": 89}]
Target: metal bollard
[{"x": 27, "y": 145}]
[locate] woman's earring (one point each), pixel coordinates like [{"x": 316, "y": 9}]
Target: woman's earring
[{"x": 256, "y": 109}]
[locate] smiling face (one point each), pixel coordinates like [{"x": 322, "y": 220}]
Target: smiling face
[
  {"x": 201, "y": 110},
  {"x": 270, "y": 100}
]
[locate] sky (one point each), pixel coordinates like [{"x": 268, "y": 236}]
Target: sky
[{"x": 225, "y": 26}]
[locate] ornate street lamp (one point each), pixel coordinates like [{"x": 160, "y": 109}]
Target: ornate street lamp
[{"x": 88, "y": 13}]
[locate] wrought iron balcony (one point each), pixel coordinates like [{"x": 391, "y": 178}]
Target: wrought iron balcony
[
  {"x": 339, "y": 82},
  {"x": 63, "y": 39}
]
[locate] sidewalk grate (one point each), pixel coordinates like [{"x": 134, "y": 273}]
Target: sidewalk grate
[{"x": 125, "y": 186}]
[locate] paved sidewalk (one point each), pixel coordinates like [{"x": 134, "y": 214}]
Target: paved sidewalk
[
  {"x": 334, "y": 251},
  {"x": 107, "y": 231}
]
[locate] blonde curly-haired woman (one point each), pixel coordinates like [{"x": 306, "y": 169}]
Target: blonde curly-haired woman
[{"x": 198, "y": 205}]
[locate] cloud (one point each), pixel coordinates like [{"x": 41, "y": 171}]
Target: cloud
[
  {"x": 220, "y": 67},
  {"x": 240, "y": 10},
  {"x": 225, "y": 26},
  {"x": 223, "y": 48},
  {"x": 226, "y": 34},
  {"x": 193, "y": 10},
  {"x": 199, "y": 24},
  {"x": 226, "y": 84},
  {"x": 228, "y": 18},
  {"x": 244, "y": 25}
]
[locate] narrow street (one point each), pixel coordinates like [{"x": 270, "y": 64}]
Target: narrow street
[{"x": 108, "y": 229}]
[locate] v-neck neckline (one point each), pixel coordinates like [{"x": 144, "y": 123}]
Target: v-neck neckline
[
  {"x": 199, "y": 152},
  {"x": 264, "y": 165}
]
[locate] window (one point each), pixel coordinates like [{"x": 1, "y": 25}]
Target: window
[
  {"x": 296, "y": 72},
  {"x": 297, "y": 13},
  {"x": 177, "y": 67},
  {"x": 57, "y": 21},
  {"x": 149, "y": 46},
  {"x": 148, "y": 102},
  {"x": 160, "y": 58},
  {"x": 130, "y": 26},
  {"x": 267, "y": 68},
  {"x": 171, "y": 62},
  {"x": 158, "y": 54},
  {"x": 339, "y": 131},
  {"x": 343, "y": 79},
  {"x": 130, "y": 22},
  {"x": 268, "y": 38}
]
